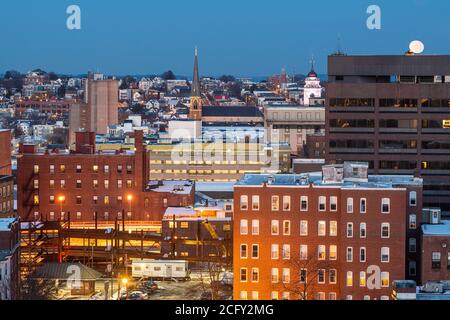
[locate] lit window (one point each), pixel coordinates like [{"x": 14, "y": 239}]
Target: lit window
[
  {"x": 36, "y": 199},
  {"x": 303, "y": 228},
  {"x": 386, "y": 205},
  {"x": 286, "y": 228},
  {"x": 275, "y": 252},
  {"x": 321, "y": 296},
  {"x": 349, "y": 279},
  {"x": 255, "y": 227},
  {"x": 274, "y": 275},
  {"x": 332, "y": 296},
  {"x": 333, "y": 228},
  {"x": 95, "y": 184},
  {"x": 303, "y": 252},
  {"x": 286, "y": 253},
  {"x": 51, "y": 169},
  {"x": 286, "y": 296},
  {"x": 78, "y": 184},
  {"x": 63, "y": 184},
  {"x": 333, "y": 252},
  {"x": 275, "y": 227},
  {"x": 275, "y": 203},
  {"x": 106, "y": 169},
  {"x": 274, "y": 295},
  {"x": 62, "y": 168},
  {"x": 362, "y": 279},
  {"x": 106, "y": 183},
  {"x": 385, "y": 279},
  {"x": 322, "y": 228},
  {"x": 321, "y": 252},
  {"x": 78, "y": 169},
  {"x": 286, "y": 275},
  {"x": 255, "y": 203},
  {"x": 95, "y": 168},
  {"x": 412, "y": 221},
  {"x": 106, "y": 200},
  {"x": 244, "y": 227},
  {"x": 286, "y": 203},
  {"x": 244, "y": 203}
]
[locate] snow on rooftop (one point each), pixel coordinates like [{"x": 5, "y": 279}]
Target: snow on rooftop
[
  {"x": 442, "y": 229},
  {"x": 177, "y": 187},
  {"x": 215, "y": 186}
]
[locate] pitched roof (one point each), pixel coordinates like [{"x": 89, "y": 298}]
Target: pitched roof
[
  {"x": 195, "y": 90},
  {"x": 230, "y": 111},
  {"x": 62, "y": 271}
]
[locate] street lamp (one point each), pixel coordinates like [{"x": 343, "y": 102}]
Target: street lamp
[{"x": 61, "y": 200}]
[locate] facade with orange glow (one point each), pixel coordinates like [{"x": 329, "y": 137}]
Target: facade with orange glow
[
  {"x": 94, "y": 186},
  {"x": 333, "y": 236}
]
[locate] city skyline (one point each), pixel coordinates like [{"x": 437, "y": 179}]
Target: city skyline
[{"x": 246, "y": 44}]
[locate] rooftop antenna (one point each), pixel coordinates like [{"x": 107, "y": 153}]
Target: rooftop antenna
[{"x": 339, "y": 51}]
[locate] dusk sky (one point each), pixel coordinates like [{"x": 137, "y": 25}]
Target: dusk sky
[{"x": 239, "y": 37}]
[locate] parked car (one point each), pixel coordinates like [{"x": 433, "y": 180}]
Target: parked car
[{"x": 137, "y": 295}]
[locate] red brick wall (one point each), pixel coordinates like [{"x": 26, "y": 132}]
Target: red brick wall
[
  {"x": 432, "y": 244},
  {"x": 5, "y": 154},
  {"x": 373, "y": 242}
]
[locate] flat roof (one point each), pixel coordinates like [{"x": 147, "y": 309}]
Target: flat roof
[
  {"x": 5, "y": 223},
  {"x": 442, "y": 229},
  {"x": 168, "y": 186}
]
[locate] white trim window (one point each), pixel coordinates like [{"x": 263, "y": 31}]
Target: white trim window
[
  {"x": 363, "y": 205},
  {"x": 385, "y": 279},
  {"x": 350, "y": 230},
  {"x": 303, "y": 252},
  {"x": 286, "y": 253},
  {"x": 412, "y": 221},
  {"x": 349, "y": 281},
  {"x": 349, "y": 205},
  {"x": 362, "y": 279},
  {"x": 304, "y": 228},
  {"x": 286, "y": 203},
  {"x": 275, "y": 203},
  {"x": 244, "y": 251},
  {"x": 244, "y": 203},
  {"x": 275, "y": 227},
  {"x": 413, "y": 198},
  {"x": 322, "y": 229},
  {"x": 255, "y": 227},
  {"x": 349, "y": 254},
  {"x": 321, "y": 252},
  {"x": 362, "y": 254},
  {"x": 385, "y": 255},
  {"x": 333, "y": 203},
  {"x": 333, "y": 228},
  {"x": 322, "y": 203},
  {"x": 244, "y": 227},
  {"x": 333, "y": 252},
  {"x": 274, "y": 275},
  {"x": 275, "y": 252},
  {"x": 362, "y": 230},
  {"x": 386, "y": 205},
  {"x": 304, "y": 203},
  {"x": 287, "y": 228},
  {"x": 385, "y": 230},
  {"x": 255, "y": 203},
  {"x": 286, "y": 275}
]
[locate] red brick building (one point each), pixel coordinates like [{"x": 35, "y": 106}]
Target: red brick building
[
  {"x": 93, "y": 185},
  {"x": 435, "y": 244},
  {"x": 339, "y": 235},
  {"x": 5, "y": 155},
  {"x": 9, "y": 258}
]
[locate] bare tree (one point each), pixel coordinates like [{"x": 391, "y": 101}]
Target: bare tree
[{"x": 307, "y": 270}]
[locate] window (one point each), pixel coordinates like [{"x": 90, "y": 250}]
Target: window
[
  {"x": 255, "y": 203},
  {"x": 62, "y": 168},
  {"x": 286, "y": 275},
  {"x": 95, "y": 168},
  {"x": 303, "y": 276},
  {"x": 286, "y": 228},
  {"x": 362, "y": 254},
  {"x": 349, "y": 205},
  {"x": 255, "y": 275},
  {"x": 413, "y": 198},
  {"x": 95, "y": 184},
  {"x": 303, "y": 228},
  {"x": 119, "y": 168},
  {"x": 349, "y": 279},
  {"x": 362, "y": 230},
  {"x": 333, "y": 252},
  {"x": 448, "y": 260},
  {"x": 106, "y": 183},
  {"x": 366, "y": 297},
  {"x": 412, "y": 245},
  {"x": 129, "y": 184},
  {"x": 322, "y": 229},
  {"x": 106, "y": 200},
  {"x": 78, "y": 168},
  {"x": 435, "y": 260},
  {"x": 274, "y": 275},
  {"x": 275, "y": 227},
  {"x": 333, "y": 203},
  {"x": 349, "y": 254},
  {"x": 36, "y": 200},
  {"x": 385, "y": 205},
  {"x": 275, "y": 252},
  {"x": 332, "y": 296},
  {"x": 95, "y": 199},
  {"x": 78, "y": 201},
  {"x": 332, "y": 276},
  {"x": 244, "y": 203},
  {"x": 63, "y": 184},
  {"x": 255, "y": 227},
  {"x": 363, "y": 205},
  {"x": 349, "y": 230},
  {"x": 385, "y": 279},
  {"x": 412, "y": 268},
  {"x": 244, "y": 251},
  {"x": 129, "y": 169},
  {"x": 286, "y": 254},
  {"x": 244, "y": 227},
  {"x": 78, "y": 215},
  {"x": 321, "y": 252},
  {"x": 385, "y": 258},
  {"x": 243, "y": 295},
  {"x": 286, "y": 203},
  {"x": 275, "y": 203},
  {"x": 303, "y": 252},
  {"x": 321, "y": 296},
  {"x": 255, "y": 251},
  {"x": 274, "y": 295},
  {"x": 385, "y": 230},
  {"x": 106, "y": 169},
  {"x": 52, "y": 199},
  {"x": 362, "y": 279},
  {"x": 322, "y": 203},
  {"x": 303, "y": 203},
  {"x": 286, "y": 295},
  {"x": 119, "y": 184},
  {"x": 412, "y": 221},
  {"x": 333, "y": 228},
  {"x": 51, "y": 169},
  {"x": 243, "y": 274},
  {"x": 321, "y": 276}
]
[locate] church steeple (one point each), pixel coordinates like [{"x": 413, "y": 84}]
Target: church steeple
[{"x": 195, "y": 107}]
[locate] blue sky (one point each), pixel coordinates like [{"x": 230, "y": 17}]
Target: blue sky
[{"x": 240, "y": 37}]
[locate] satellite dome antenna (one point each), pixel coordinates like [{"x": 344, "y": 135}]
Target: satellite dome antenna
[{"x": 416, "y": 47}]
